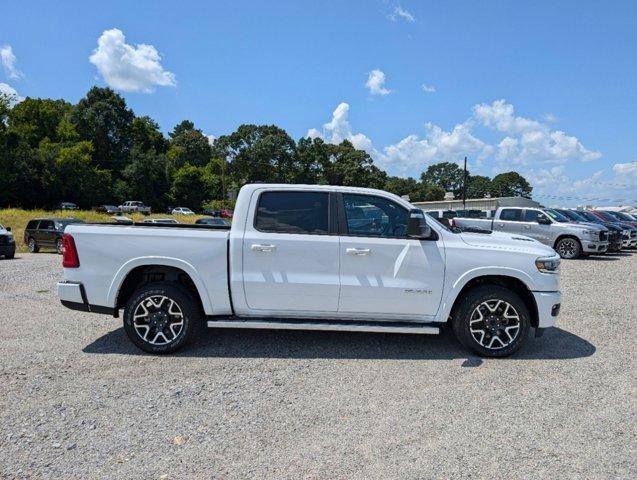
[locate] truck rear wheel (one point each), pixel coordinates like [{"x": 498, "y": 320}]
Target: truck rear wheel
[
  {"x": 491, "y": 321},
  {"x": 161, "y": 318}
]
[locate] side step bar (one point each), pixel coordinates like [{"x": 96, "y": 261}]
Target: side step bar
[{"x": 326, "y": 325}]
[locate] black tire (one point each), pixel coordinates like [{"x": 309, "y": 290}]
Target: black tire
[
  {"x": 569, "y": 248},
  {"x": 33, "y": 246},
  {"x": 59, "y": 246},
  {"x": 191, "y": 317},
  {"x": 475, "y": 299}
]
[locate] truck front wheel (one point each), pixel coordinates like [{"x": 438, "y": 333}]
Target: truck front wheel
[
  {"x": 491, "y": 321},
  {"x": 161, "y": 317},
  {"x": 569, "y": 247}
]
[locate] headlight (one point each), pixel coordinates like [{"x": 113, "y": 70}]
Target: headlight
[
  {"x": 548, "y": 265},
  {"x": 590, "y": 233}
]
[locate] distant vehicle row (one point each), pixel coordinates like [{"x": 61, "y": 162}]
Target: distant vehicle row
[
  {"x": 136, "y": 206},
  {"x": 7, "y": 242},
  {"x": 572, "y": 233}
]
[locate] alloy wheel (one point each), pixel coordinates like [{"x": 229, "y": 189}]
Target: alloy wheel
[
  {"x": 494, "y": 324},
  {"x": 158, "y": 320},
  {"x": 31, "y": 245},
  {"x": 567, "y": 248}
]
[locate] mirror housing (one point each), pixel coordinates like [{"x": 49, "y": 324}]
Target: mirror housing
[
  {"x": 417, "y": 226},
  {"x": 8, "y": 229},
  {"x": 543, "y": 220}
]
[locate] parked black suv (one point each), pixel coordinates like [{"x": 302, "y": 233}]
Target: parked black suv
[
  {"x": 46, "y": 232},
  {"x": 7, "y": 243}
]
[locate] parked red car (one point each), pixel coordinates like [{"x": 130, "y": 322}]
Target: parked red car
[{"x": 226, "y": 214}]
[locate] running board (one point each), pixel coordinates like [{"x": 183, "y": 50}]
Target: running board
[{"x": 335, "y": 325}]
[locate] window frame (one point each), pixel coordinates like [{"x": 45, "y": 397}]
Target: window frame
[
  {"x": 342, "y": 216},
  {"x": 332, "y": 215},
  {"x": 519, "y": 220}
]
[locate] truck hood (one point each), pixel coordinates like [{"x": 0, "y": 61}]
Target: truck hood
[{"x": 506, "y": 241}]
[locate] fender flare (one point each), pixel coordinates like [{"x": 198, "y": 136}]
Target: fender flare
[
  {"x": 462, "y": 281},
  {"x": 126, "y": 268}
]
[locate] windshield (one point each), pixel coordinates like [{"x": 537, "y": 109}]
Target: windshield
[
  {"x": 622, "y": 216},
  {"x": 557, "y": 216},
  {"x": 606, "y": 216},
  {"x": 590, "y": 217},
  {"x": 572, "y": 215}
]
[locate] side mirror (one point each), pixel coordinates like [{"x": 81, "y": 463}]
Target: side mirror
[
  {"x": 543, "y": 220},
  {"x": 417, "y": 226},
  {"x": 8, "y": 229}
]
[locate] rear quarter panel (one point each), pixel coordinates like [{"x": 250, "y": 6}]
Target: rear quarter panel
[{"x": 108, "y": 253}]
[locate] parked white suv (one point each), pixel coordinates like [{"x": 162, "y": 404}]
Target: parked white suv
[
  {"x": 314, "y": 258},
  {"x": 134, "y": 206}
]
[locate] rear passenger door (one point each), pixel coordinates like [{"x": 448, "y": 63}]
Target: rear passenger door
[
  {"x": 46, "y": 233},
  {"x": 290, "y": 253},
  {"x": 509, "y": 220}
]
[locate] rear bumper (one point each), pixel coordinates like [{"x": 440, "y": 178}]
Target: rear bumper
[
  {"x": 594, "y": 247},
  {"x": 548, "y": 307},
  {"x": 73, "y": 296}
]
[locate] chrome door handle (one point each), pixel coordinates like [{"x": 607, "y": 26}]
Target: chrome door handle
[
  {"x": 358, "y": 251},
  {"x": 262, "y": 248},
  {"x": 500, "y": 224},
  {"x": 527, "y": 226}
]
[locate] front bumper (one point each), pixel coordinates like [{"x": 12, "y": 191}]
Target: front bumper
[
  {"x": 594, "y": 246},
  {"x": 548, "y": 307},
  {"x": 73, "y": 296},
  {"x": 8, "y": 250}
]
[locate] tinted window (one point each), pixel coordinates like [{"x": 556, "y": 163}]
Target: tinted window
[
  {"x": 32, "y": 225},
  {"x": 46, "y": 225},
  {"x": 531, "y": 216},
  {"x": 511, "y": 214},
  {"x": 374, "y": 216},
  {"x": 293, "y": 212}
]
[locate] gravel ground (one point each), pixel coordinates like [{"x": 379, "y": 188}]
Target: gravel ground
[{"x": 78, "y": 401}]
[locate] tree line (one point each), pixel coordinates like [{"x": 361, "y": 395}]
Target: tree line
[{"x": 99, "y": 152}]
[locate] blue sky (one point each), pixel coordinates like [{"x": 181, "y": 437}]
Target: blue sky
[{"x": 545, "y": 88}]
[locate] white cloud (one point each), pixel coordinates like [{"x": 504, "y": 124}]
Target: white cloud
[
  {"x": 626, "y": 170},
  {"x": 412, "y": 155},
  {"x": 211, "y": 139},
  {"x": 11, "y": 93},
  {"x": 399, "y": 13},
  {"x": 376, "y": 83},
  {"x": 127, "y": 67},
  {"x": 529, "y": 141},
  {"x": 8, "y": 62},
  {"x": 428, "y": 88},
  {"x": 339, "y": 129}
]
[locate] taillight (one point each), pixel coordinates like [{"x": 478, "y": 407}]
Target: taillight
[{"x": 70, "y": 258}]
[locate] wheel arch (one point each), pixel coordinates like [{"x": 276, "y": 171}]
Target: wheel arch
[
  {"x": 509, "y": 282},
  {"x": 566, "y": 235},
  {"x": 138, "y": 272}
]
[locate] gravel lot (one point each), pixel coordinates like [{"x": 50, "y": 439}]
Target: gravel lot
[{"x": 79, "y": 401}]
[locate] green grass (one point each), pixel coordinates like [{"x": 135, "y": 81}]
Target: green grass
[{"x": 17, "y": 219}]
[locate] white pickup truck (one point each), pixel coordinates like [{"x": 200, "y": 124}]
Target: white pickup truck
[{"x": 313, "y": 257}]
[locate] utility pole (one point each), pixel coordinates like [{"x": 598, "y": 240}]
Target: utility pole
[{"x": 464, "y": 185}]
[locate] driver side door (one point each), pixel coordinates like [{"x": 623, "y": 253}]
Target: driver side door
[{"x": 383, "y": 273}]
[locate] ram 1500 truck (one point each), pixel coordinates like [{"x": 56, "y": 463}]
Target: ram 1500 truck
[
  {"x": 570, "y": 240},
  {"x": 313, "y": 257}
]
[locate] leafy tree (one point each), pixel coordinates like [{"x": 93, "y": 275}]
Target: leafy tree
[
  {"x": 348, "y": 166},
  {"x": 446, "y": 175},
  {"x": 258, "y": 153},
  {"x": 312, "y": 155},
  {"x": 35, "y": 119},
  {"x": 146, "y": 135},
  {"x": 103, "y": 118},
  {"x": 144, "y": 178},
  {"x": 192, "y": 186},
  {"x": 478, "y": 186},
  {"x": 188, "y": 145},
  {"x": 510, "y": 184}
]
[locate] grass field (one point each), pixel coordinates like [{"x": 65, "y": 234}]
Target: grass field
[{"x": 17, "y": 219}]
